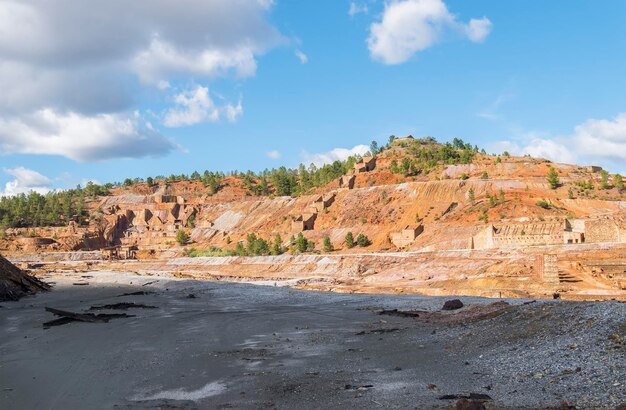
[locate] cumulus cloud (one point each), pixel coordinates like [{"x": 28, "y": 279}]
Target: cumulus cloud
[
  {"x": 274, "y": 154},
  {"x": 410, "y": 26},
  {"x": 196, "y": 106},
  {"x": 336, "y": 154},
  {"x": 80, "y": 137},
  {"x": 90, "y": 60},
  {"x": 602, "y": 138},
  {"x": 594, "y": 141},
  {"x": 356, "y": 8},
  {"x": 302, "y": 57},
  {"x": 25, "y": 180}
]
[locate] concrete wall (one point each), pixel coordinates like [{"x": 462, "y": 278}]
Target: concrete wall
[{"x": 601, "y": 230}]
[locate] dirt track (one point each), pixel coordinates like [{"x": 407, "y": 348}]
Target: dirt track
[{"x": 247, "y": 346}]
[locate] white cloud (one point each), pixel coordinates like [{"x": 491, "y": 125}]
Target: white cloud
[
  {"x": 550, "y": 149},
  {"x": 602, "y": 138},
  {"x": 197, "y": 106},
  {"x": 337, "y": 154},
  {"x": 594, "y": 141},
  {"x": 410, "y": 26},
  {"x": 163, "y": 59},
  {"x": 25, "y": 180},
  {"x": 80, "y": 137},
  {"x": 302, "y": 57},
  {"x": 89, "y": 60},
  {"x": 356, "y": 8},
  {"x": 478, "y": 29},
  {"x": 274, "y": 154}
]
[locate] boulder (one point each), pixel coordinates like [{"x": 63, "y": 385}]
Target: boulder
[{"x": 452, "y": 304}]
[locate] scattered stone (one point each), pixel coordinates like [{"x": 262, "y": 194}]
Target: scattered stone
[
  {"x": 452, "y": 304},
  {"x": 191, "y": 296}
]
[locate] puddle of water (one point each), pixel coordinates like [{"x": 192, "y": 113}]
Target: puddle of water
[{"x": 209, "y": 390}]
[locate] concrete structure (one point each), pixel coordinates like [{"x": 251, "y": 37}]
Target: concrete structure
[
  {"x": 573, "y": 237},
  {"x": 607, "y": 229},
  {"x": 365, "y": 164},
  {"x": 347, "y": 181},
  {"x": 322, "y": 202},
  {"x": 547, "y": 269},
  {"x": 406, "y": 236},
  {"x": 119, "y": 252},
  {"x": 304, "y": 222}
]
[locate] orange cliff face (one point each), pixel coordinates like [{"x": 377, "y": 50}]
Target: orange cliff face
[{"x": 452, "y": 207}]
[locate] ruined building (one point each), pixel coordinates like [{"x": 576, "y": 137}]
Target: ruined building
[
  {"x": 304, "y": 222},
  {"x": 607, "y": 229},
  {"x": 347, "y": 181},
  {"x": 406, "y": 236},
  {"x": 365, "y": 164}
]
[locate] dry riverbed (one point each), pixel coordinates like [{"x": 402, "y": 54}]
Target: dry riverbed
[{"x": 193, "y": 344}]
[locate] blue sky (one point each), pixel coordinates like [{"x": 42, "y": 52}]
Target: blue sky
[{"x": 169, "y": 87}]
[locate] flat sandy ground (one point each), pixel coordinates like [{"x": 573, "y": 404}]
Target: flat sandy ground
[{"x": 250, "y": 346}]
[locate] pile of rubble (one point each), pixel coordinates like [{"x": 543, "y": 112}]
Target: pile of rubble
[{"x": 14, "y": 283}]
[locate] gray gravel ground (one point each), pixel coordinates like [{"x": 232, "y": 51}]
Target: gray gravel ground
[{"x": 247, "y": 346}]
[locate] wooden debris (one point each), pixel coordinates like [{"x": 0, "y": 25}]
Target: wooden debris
[
  {"x": 122, "y": 306},
  {"x": 68, "y": 317}
]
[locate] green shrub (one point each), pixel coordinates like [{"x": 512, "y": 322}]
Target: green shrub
[
  {"x": 349, "y": 240},
  {"x": 543, "y": 204},
  {"x": 363, "y": 240},
  {"x": 182, "y": 237},
  {"x": 553, "y": 178},
  {"x": 328, "y": 246}
]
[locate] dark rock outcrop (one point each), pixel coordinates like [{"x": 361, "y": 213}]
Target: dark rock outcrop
[{"x": 452, "y": 304}]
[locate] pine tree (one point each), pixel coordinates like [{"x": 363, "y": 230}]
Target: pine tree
[
  {"x": 471, "y": 197},
  {"x": 363, "y": 240},
  {"x": 301, "y": 243},
  {"x": 374, "y": 148},
  {"x": 553, "y": 178},
  {"x": 485, "y": 175},
  {"x": 182, "y": 237},
  {"x": 604, "y": 180},
  {"x": 618, "y": 181},
  {"x": 277, "y": 246},
  {"x": 328, "y": 246},
  {"x": 349, "y": 240}
]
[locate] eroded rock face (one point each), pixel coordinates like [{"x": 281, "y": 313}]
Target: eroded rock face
[{"x": 14, "y": 283}]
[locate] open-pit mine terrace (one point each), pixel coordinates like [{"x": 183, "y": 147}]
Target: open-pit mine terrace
[{"x": 575, "y": 271}]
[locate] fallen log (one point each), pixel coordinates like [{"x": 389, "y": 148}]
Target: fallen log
[
  {"x": 68, "y": 317},
  {"x": 122, "y": 306},
  {"x": 401, "y": 313}
]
